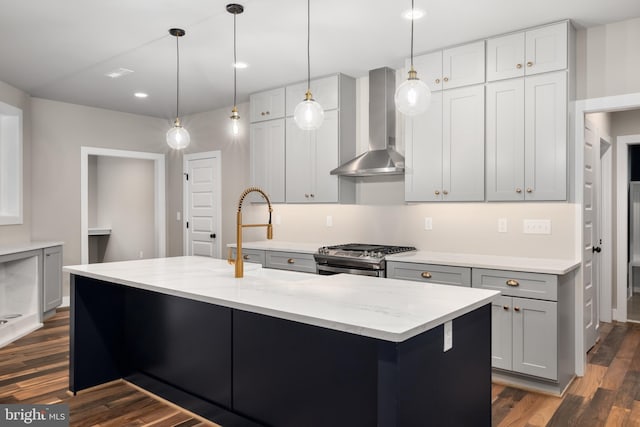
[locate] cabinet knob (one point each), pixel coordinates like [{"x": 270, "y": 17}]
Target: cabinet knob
[
  {"x": 312, "y": 195},
  {"x": 291, "y": 261},
  {"x": 245, "y": 257},
  {"x": 306, "y": 195},
  {"x": 437, "y": 192},
  {"x": 505, "y": 307},
  {"x": 516, "y": 308},
  {"x": 529, "y": 64},
  {"x": 446, "y": 79},
  {"x": 518, "y": 190},
  {"x": 512, "y": 282},
  {"x": 426, "y": 275},
  {"x": 445, "y": 192},
  {"x": 262, "y": 113},
  {"x": 518, "y": 66},
  {"x": 437, "y": 81},
  {"x": 529, "y": 190},
  {"x": 268, "y": 113}
]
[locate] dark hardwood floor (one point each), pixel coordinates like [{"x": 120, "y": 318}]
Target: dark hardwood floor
[{"x": 34, "y": 369}]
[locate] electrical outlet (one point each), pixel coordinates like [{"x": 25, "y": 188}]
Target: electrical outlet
[
  {"x": 428, "y": 223},
  {"x": 448, "y": 336},
  {"x": 536, "y": 226},
  {"x": 502, "y": 225},
  {"x": 329, "y": 221},
  {"x": 278, "y": 220},
  {"x": 141, "y": 254},
  {"x": 178, "y": 216}
]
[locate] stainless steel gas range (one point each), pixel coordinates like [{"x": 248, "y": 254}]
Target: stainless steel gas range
[{"x": 356, "y": 258}]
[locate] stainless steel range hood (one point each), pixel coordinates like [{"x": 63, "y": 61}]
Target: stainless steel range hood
[{"x": 382, "y": 157}]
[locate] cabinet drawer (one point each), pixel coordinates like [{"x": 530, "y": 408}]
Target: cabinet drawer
[
  {"x": 438, "y": 274},
  {"x": 251, "y": 255},
  {"x": 291, "y": 261},
  {"x": 518, "y": 284}
]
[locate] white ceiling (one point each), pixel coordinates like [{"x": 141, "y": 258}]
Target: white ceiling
[{"x": 61, "y": 50}]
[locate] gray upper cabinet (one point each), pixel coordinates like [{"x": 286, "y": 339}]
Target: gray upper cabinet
[
  {"x": 325, "y": 91},
  {"x": 267, "y": 105},
  {"x": 526, "y": 138},
  {"x": 267, "y": 156},
  {"x": 444, "y": 148},
  {"x": 52, "y": 278},
  {"x": 539, "y": 50},
  {"x": 453, "y": 67}
]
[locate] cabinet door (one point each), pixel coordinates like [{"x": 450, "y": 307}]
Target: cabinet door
[
  {"x": 52, "y": 277},
  {"x": 267, "y": 142},
  {"x": 291, "y": 261},
  {"x": 505, "y": 140},
  {"x": 267, "y": 105},
  {"x": 501, "y": 333},
  {"x": 430, "y": 273},
  {"x": 298, "y": 163},
  {"x": 505, "y": 57},
  {"x": 423, "y": 154},
  {"x": 535, "y": 337},
  {"x": 463, "y": 144},
  {"x": 324, "y": 158},
  {"x": 324, "y": 90},
  {"x": 429, "y": 69},
  {"x": 546, "y": 136},
  {"x": 546, "y": 49},
  {"x": 463, "y": 65}
]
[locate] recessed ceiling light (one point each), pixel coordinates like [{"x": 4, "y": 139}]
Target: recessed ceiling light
[
  {"x": 119, "y": 72},
  {"x": 140, "y": 95},
  {"x": 240, "y": 65},
  {"x": 415, "y": 14}
]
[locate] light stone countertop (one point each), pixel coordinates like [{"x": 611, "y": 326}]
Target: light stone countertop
[
  {"x": 27, "y": 246},
  {"x": 275, "y": 245},
  {"x": 387, "y": 309},
  {"x": 494, "y": 262}
]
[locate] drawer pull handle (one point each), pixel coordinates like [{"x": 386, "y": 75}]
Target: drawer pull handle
[
  {"x": 516, "y": 308},
  {"x": 512, "y": 282},
  {"x": 505, "y": 307},
  {"x": 245, "y": 256},
  {"x": 291, "y": 261},
  {"x": 426, "y": 275}
]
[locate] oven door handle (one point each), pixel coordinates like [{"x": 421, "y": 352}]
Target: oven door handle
[{"x": 337, "y": 270}]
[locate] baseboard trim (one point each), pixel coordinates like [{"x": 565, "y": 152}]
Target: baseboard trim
[{"x": 66, "y": 302}]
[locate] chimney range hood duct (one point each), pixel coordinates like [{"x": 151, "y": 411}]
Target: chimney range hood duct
[{"x": 382, "y": 157}]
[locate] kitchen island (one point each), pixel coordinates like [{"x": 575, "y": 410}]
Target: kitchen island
[{"x": 280, "y": 348}]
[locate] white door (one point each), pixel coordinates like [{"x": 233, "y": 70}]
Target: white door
[
  {"x": 202, "y": 204},
  {"x": 589, "y": 276}
]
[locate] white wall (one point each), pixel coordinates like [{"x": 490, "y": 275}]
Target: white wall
[{"x": 12, "y": 234}]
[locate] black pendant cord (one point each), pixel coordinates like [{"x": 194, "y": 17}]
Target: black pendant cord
[
  {"x": 412, "y": 19},
  {"x": 235, "y": 60},
  {"x": 309, "y": 45},
  {"x": 177, "y": 78}
]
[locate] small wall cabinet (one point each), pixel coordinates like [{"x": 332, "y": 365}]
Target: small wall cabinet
[
  {"x": 429, "y": 273},
  {"x": 444, "y": 148},
  {"x": 454, "y": 67},
  {"x": 539, "y": 50},
  {"x": 267, "y": 105}
]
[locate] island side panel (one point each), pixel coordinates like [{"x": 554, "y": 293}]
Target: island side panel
[
  {"x": 96, "y": 333},
  {"x": 288, "y": 374},
  {"x": 437, "y": 387},
  {"x": 181, "y": 342}
]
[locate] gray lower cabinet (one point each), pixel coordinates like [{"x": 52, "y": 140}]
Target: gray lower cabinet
[
  {"x": 531, "y": 344},
  {"x": 256, "y": 256},
  {"x": 430, "y": 273},
  {"x": 292, "y": 261},
  {"x": 52, "y": 278}
]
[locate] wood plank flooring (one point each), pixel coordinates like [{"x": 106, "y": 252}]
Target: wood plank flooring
[{"x": 34, "y": 369}]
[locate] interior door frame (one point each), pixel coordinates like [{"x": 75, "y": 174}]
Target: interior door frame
[
  {"x": 582, "y": 107},
  {"x": 606, "y": 229},
  {"x": 159, "y": 195},
  {"x": 217, "y": 156}
]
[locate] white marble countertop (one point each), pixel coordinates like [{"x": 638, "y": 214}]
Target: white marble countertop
[
  {"x": 275, "y": 245},
  {"x": 27, "y": 246},
  {"x": 494, "y": 262},
  {"x": 387, "y": 309}
]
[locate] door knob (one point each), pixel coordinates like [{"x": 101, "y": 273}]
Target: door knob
[
  {"x": 595, "y": 249},
  {"x": 212, "y": 235}
]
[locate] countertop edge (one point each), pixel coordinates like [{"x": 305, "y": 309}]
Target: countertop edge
[{"x": 30, "y": 246}]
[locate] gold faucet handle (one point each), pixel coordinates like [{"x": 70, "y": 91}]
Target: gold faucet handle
[{"x": 230, "y": 259}]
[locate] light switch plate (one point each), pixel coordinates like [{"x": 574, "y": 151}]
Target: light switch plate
[
  {"x": 428, "y": 223},
  {"x": 329, "y": 221},
  {"x": 278, "y": 220},
  {"x": 448, "y": 336},
  {"x": 502, "y": 225},
  {"x": 536, "y": 226}
]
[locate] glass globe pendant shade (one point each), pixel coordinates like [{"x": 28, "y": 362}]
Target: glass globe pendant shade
[
  {"x": 235, "y": 119},
  {"x": 178, "y": 137},
  {"x": 413, "y": 96},
  {"x": 308, "y": 114}
]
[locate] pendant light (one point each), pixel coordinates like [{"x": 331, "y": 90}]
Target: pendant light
[
  {"x": 308, "y": 114},
  {"x": 178, "y": 137},
  {"x": 235, "y": 9},
  {"x": 412, "y": 96}
]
